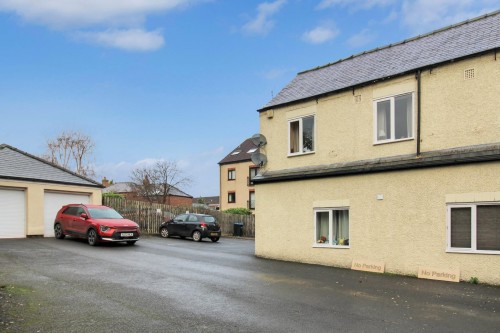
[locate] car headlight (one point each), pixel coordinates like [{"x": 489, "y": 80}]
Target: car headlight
[{"x": 104, "y": 228}]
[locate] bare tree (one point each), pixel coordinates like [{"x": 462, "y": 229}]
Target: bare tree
[
  {"x": 155, "y": 183},
  {"x": 73, "y": 151}
]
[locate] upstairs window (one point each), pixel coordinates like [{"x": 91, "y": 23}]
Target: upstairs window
[
  {"x": 231, "y": 174},
  {"x": 393, "y": 118},
  {"x": 301, "y": 135}
]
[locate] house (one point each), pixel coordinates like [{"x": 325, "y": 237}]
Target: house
[
  {"x": 236, "y": 177},
  {"x": 32, "y": 190},
  {"x": 390, "y": 158},
  {"x": 175, "y": 197},
  {"x": 210, "y": 202}
]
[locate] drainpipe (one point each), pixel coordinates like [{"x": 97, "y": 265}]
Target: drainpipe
[{"x": 418, "y": 110}]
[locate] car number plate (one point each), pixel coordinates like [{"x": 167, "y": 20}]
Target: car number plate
[
  {"x": 214, "y": 234},
  {"x": 127, "y": 234}
]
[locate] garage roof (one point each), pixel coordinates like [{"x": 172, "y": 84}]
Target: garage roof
[
  {"x": 455, "y": 42},
  {"x": 19, "y": 165}
]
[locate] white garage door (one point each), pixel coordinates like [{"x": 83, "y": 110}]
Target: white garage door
[
  {"x": 53, "y": 202},
  {"x": 12, "y": 213}
]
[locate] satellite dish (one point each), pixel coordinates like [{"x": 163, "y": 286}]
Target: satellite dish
[
  {"x": 259, "y": 158},
  {"x": 258, "y": 139}
]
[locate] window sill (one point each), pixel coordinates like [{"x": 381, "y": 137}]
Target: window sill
[
  {"x": 377, "y": 143},
  {"x": 467, "y": 251},
  {"x": 319, "y": 246},
  {"x": 301, "y": 154}
]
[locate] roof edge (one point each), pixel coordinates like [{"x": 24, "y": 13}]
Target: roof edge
[{"x": 439, "y": 158}]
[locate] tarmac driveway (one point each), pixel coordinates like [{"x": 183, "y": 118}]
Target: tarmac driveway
[{"x": 174, "y": 285}]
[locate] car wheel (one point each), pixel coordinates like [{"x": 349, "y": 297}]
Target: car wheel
[
  {"x": 92, "y": 237},
  {"x": 58, "y": 231},
  {"x": 196, "y": 236},
  {"x": 214, "y": 239},
  {"x": 131, "y": 242},
  {"x": 164, "y": 233}
]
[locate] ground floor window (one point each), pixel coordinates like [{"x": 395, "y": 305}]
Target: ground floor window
[
  {"x": 331, "y": 227},
  {"x": 474, "y": 228}
]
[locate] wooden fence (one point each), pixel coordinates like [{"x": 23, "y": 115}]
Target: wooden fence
[{"x": 150, "y": 216}]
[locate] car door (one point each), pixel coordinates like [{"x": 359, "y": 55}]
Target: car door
[
  {"x": 67, "y": 218},
  {"x": 191, "y": 224},
  {"x": 177, "y": 224},
  {"x": 80, "y": 223}
]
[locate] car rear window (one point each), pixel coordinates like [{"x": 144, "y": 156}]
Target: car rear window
[
  {"x": 209, "y": 219},
  {"x": 104, "y": 213}
]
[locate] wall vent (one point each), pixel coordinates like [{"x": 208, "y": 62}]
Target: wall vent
[{"x": 469, "y": 74}]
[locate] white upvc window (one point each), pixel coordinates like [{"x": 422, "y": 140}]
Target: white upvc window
[
  {"x": 301, "y": 135},
  {"x": 393, "y": 118},
  {"x": 473, "y": 228},
  {"x": 331, "y": 227}
]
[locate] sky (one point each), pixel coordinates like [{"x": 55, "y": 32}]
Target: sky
[{"x": 179, "y": 80}]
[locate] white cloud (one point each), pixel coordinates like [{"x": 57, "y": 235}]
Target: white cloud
[
  {"x": 115, "y": 23},
  {"x": 263, "y": 23},
  {"x": 362, "y": 38},
  {"x": 131, "y": 39},
  {"x": 354, "y": 4},
  {"x": 320, "y": 34},
  {"x": 88, "y": 12},
  {"x": 434, "y": 14}
]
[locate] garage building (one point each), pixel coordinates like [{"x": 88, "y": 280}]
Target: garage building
[{"x": 32, "y": 190}]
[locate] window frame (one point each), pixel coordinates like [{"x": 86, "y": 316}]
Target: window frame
[
  {"x": 301, "y": 135},
  {"x": 229, "y": 196},
  {"x": 473, "y": 248},
  {"x": 330, "y": 244},
  {"x": 392, "y": 110},
  {"x": 232, "y": 172},
  {"x": 250, "y": 206}
]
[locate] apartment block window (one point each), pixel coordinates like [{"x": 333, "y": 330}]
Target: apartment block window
[
  {"x": 301, "y": 135},
  {"x": 331, "y": 227},
  {"x": 231, "y": 197},
  {"x": 251, "y": 200},
  {"x": 252, "y": 173},
  {"x": 393, "y": 118},
  {"x": 231, "y": 174},
  {"x": 474, "y": 228}
]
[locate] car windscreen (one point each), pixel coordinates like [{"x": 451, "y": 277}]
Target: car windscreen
[
  {"x": 104, "y": 213},
  {"x": 209, "y": 219}
]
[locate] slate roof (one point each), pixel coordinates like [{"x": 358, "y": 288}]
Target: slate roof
[
  {"x": 243, "y": 156},
  {"x": 19, "y": 165},
  {"x": 125, "y": 187},
  {"x": 455, "y": 42}
]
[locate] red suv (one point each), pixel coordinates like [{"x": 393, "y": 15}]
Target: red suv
[{"x": 96, "y": 224}]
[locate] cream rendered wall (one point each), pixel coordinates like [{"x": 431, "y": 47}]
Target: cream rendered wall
[
  {"x": 455, "y": 113},
  {"x": 406, "y": 229},
  {"x": 239, "y": 185},
  {"x": 35, "y": 200},
  {"x": 469, "y": 108}
]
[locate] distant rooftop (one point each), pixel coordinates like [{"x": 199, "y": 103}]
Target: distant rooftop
[
  {"x": 242, "y": 153},
  {"x": 126, "y": 187},
  {"x": 454, "y": 42}
]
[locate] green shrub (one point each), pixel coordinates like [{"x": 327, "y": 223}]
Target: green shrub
[
  {"x": 112, "y": 195},
  {"x": 474, "y": 280},
  {"x": 239, "y": 211}
]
